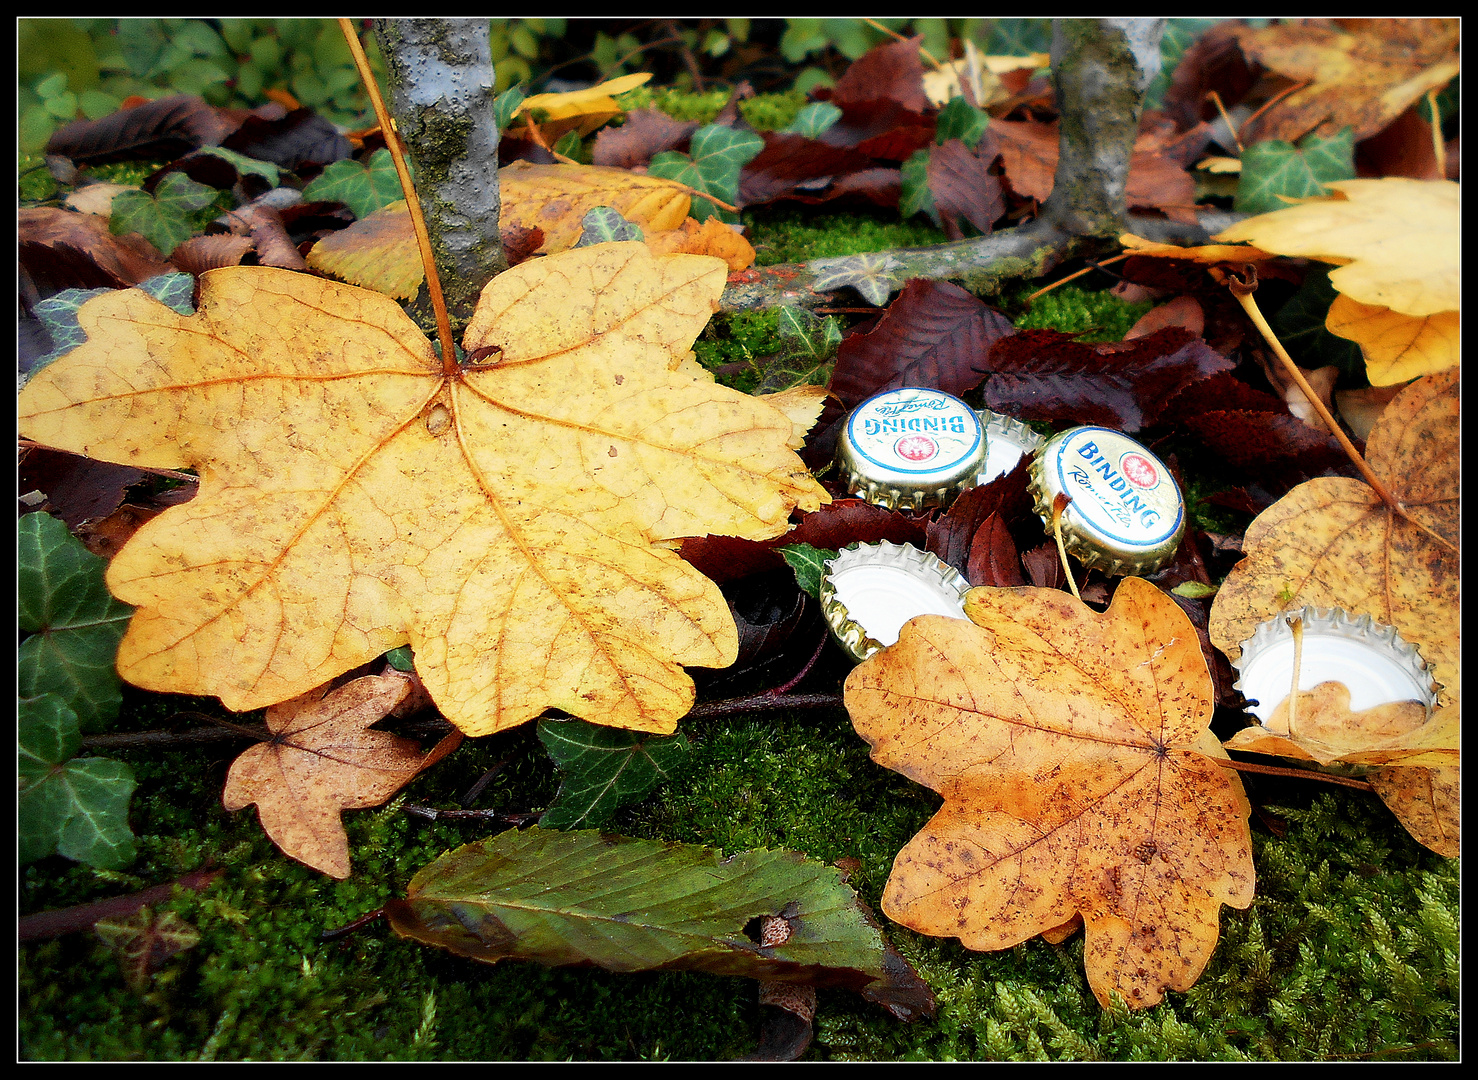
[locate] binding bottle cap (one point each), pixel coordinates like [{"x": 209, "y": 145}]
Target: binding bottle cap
[
  {"x": 911, "y": 448},
  {"x": 1371, "y": 659},
  {"x": 870, "y": 590},
  {"x": 1126, "y": 516},
  {"x": 1007, "y": 442}
]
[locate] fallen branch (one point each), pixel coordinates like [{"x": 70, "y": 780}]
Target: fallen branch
[{"x": 73, "y": 920}]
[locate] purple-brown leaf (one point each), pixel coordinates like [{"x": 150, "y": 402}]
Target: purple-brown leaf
[
  {"x": 645, "y": 134},
  {"x": 166, "y": 128},
  {"x": 963, "y": 189}
]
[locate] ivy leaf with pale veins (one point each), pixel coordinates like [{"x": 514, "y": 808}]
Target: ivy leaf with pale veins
[
  {"x": 810, "y": 346},
  {"x": 166, "y": 218},
  {"x": 362, "y": 188},
  {"x": 77, "y": 807},
  {"x": 508, "y": 519},
  {"x": 144, "y": 941},
  {"x": 1274, "y": 167},
  {"x": 640, "y": 905},
  {"x": 603, "y": 225},
  {"x": 813, "y": 119},
  {"x": 73, "y": 624},
  {"x": 602, "y": 769},
  {"x": 716, "y": 154}
]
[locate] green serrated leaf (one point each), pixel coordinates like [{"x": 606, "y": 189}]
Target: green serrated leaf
[
  {"x": 77, "y": 807},
  {"x": 247, "y": 166},
  {"x": 166, "y": 218},
  {"x": 815, "y": 118},
  {"x": 73, "y": 622},
  {"x": 636, "y": 905},
  {"x": 1274, "y": 167},
  {"x": 808, "y": 563},
  {"x": 603, "y": 769},
  {"x": 960, "y": 120},
  {"x": 716, "y": 156},
  {"x": 362, "y": 188},
  {"x": 915, "y": 197},
  {"x": 604, "y": 225},
  {"x": 1019, "y": 37}
]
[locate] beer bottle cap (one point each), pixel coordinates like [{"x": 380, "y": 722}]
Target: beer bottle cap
[
  {"x": 911, "y": 448},
  {"x": 1126, "y": 515},
  {"x": 1372, "y": 660},
  {"x": 1007, "y": 442},
  {"x": 870, "y": 590}
]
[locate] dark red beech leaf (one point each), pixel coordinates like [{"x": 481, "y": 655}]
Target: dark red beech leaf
[
  {"x": 165, "y": 128},
  {"x": 1184, "y": 312},
  {"x": 725, "y": 558},
  {"x": 894, "y": 71},
  {"x": 869, "y": 127},
  {"x": 77, "y": 489},
  {"x": 994, "y": 559},
  {"x": 1220, "y": 392},
  {"x": 1214, "y": 62},
  {"x": 1044, "y": 566},
  {"x": 293, "y": 140},
  {"x": 900, "y": 143},
  {"x": 790, "y": 163},
  {"x": 1268, "y": 443},
  {"x": 645, "y": 134},
  {"x": 60, "y": 249},
  {"x": 963, "y": 189},
  {"x": 952, "y": 536},
  {"x": 871, "y": 187},
  {"x": 201, "y": 253},
  {"x": 1047, "y": 375}
]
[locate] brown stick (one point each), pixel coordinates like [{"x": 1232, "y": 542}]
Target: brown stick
[
  {"x": 1298, "y": 774},
  {"x": 72, "y": 920}
]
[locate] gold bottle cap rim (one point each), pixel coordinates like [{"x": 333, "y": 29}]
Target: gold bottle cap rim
[
  {"x": 1371, "y": 659},
  {"x": 911, "y": 448},
  {"x": 870, "y": 590},
  {"x": 1127, "y": 514},
  {"x": 1007, "y": 440}
]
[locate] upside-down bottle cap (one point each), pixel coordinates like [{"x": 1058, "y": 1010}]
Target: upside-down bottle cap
[
  {"x": 1371, "y": 659},
  {"x": 1126, "y": 515},
  {"x": 870, "y": 590},
  {"x": 911, "y": 448},
  {"x": 1007, "y": 441}
]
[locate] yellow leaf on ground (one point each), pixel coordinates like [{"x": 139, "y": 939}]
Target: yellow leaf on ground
[
  {"x": 1397, "y": 347},
  {"x": 1206, "y": 253},
  {"x": 1396, "y": 733},
  {"x": 1079, "y": 776},
  {"x": 377, "y": 252},
  {"x": 556, "y": 197},
  {"x": 1362, "y": 74},
  {"x": 713, "y": 237},
  {"x": 1396, "y": 240},
  {"x": 589, "y": 108},
  {"x": 1331, "y": 542},
  {"x": 1426, "y": 801},
  {"x": 803, "y": 404},
  {"x": 504, "y": 519},
  {"x": 322, "y": 758}
]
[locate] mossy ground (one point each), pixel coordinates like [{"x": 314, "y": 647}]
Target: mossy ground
[{"x": 1349, "y": 950}]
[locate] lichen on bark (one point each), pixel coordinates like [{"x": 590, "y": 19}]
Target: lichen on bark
[{"x": 441, "y": 81}]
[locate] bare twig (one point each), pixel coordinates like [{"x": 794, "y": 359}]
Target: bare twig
[
  {"x": 1297, "y": 774},
  {"x": 72, "y": 920}
]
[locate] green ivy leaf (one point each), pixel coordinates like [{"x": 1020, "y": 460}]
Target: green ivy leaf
[
  {"x": 246, "y": 166},
  {"x": 717, "y": 154},
  {"x": 506, "y": 103},
  {"x": 58, "y": 314},
  {"x": 916, "y": 198},
  {"x": 809, "y": 563},
  {"x": 166, "y": 218},
  {"x": 1019, "y": 37},
  {"x": 810, "y": 345},
  {"x": 603, "y": 768},
  {"x": 77, "y": 807},
  {"x": 1180, "y": 35},
  {"x": 1274, "y": 167},
  {"x": 815, "y": 118},
  {"x": 960, "y": 120},
  {"x": 1299, "y": 324},
  {"x": 604, "y": 225},
  {"x": 73, "y": 622},
  {"x": 401, "y": 659},
  {"x": 362, "y": 188}
]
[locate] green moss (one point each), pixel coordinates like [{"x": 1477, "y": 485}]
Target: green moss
[
  {"x": 36, "y": 181},
  {"x": 763, "y": 112},
  {"x": 799, "y": 235},
  {"x": 746, "y": 338},
  {"x": 1095, "y": 316}
]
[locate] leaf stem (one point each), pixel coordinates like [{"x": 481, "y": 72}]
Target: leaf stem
[
  {"x": 1079, "y": 273},
  {"x": 1439, "y": 148},
  {"x": 1059, "y": 504},
  {"x": 413, "y": 203},
  {"x": 1298, "y": 774},
  {"x": 72, "y": 920},
  {"x": 1216, "y": 99}
]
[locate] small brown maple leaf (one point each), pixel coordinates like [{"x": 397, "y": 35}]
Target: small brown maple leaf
[
  {"x": 1078, "y": 772},
  {"x": 323, "y": 758}
]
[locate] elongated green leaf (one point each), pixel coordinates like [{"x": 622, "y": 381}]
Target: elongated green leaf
[
  {"x": 73, "y": 622},
  {"x": 916, "y": 198},
  {"x": 506, "y": 104},
  {"x": 717, "y": 154},
  {"x": 1275, "y": 167},
  {"x": 605, "y": 225},
  {"x": 77, "y": 807},
  {"x": 166, "y": 218},
  {"x": 637, "y": 905},
  {"x": 808, "y": 563},
  {"x": 362, "y": 188},
  {"x": 246, "y": 166},
  {"x": 603, "y": 768}
]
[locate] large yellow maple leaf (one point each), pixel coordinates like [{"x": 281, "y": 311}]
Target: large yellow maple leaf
[
  {"x": 506, "y": 519},
  {"x": 1079, "y": 777}
]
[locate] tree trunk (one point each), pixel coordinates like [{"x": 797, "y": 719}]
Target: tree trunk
[{"x": 441, "y": 82}]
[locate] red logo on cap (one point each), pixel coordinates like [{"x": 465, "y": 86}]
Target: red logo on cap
[
  {"x": 916, "y": 448},
  {"x": 1138, "y": 469}
]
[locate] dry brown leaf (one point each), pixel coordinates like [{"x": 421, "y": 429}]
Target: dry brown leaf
[
  {"x": 1361, "y": 408},
  {"x": 322, "y": 758},
  {"x": 1397, "y": 347},
  {"x": 1209, "y": 254},
  {"x": 1332, "y": 542},
  {"x": 713, "y": 237},
  {"x": 1427, "y": 802},
  {"x": 1396, "y": 733},
  {"x": 96, "y": 199},
  {"x": 1079, "y": 776},
  {"x": 1362, "y": 75},
  {"x": 505, "y": 519}
]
